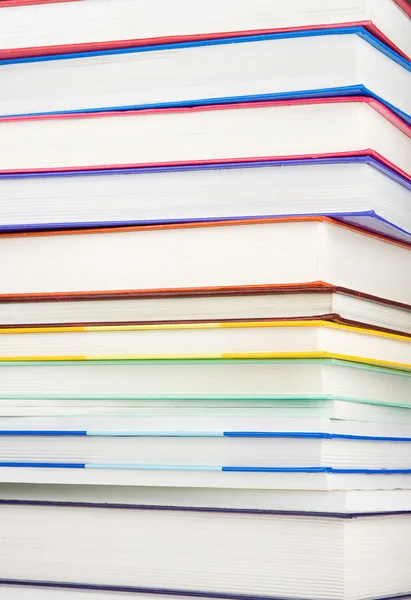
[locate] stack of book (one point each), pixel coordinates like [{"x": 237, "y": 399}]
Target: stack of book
[{"x": 205, "y": 299}]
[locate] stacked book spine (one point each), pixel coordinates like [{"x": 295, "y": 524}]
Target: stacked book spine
[{"x": 205, "y": 300}]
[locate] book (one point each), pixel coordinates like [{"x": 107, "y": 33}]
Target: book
[
  {"x": 168, "y": 426},
  {"x": 204, "y": 256},
  {"x": 246, "y": 339},
  {"x": 358, "y": 191},
  {"x": 26, "y": 409},
  {"x": 200, "y": 382},
  {"x": 303, "y": 64},
  {"x": 320, "y": 555},
  {"x": 266, "y": 449},
  {"x": 324, "y": 303},
  {"x": 319, "y": 127},
  {"x": 97, "y": 24},
  {"x": 319, "y": 479},
  {"x": 344, "y": 502}
]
